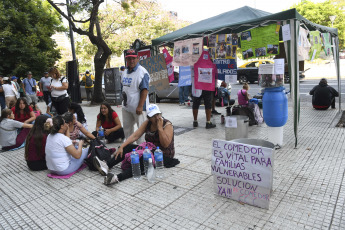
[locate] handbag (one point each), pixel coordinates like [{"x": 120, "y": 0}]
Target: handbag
[
  {"x": 59, "y": 98},
  {"x": 126, "y": 163},
  {"x": 98, "y": 148}
]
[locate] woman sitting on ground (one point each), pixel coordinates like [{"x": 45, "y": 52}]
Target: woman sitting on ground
[
  {"x": 75, "y": 127},
  {"x": 157, "y": 130},
  {"x": 23, "y": 112},
  {"x": 8, "y": 131},
  {"x": 110, "y": 122},
  {"x": 35, "y": 154},
  {"x": 78, "y": 112},
  {"x": 61, "y": 156},
  {"x": 243, "y": 95}
]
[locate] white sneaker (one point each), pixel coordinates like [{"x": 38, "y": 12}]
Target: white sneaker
[
  {"x": 101, "y": 166},
  {"x": 110, "y": 179}
]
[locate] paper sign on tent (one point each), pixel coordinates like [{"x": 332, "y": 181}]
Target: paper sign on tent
[
  {"x": 286, "y": 32},
  {"x": 231, "y": 79},
  {"x": 279, "y": 66}
]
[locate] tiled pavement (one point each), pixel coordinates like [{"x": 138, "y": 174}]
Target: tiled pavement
[{"x": 308, "y": 185}]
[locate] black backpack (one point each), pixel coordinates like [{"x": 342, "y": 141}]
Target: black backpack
[
  {"x": 88, "y": 81},
  {"x": 97, "y": 148}
]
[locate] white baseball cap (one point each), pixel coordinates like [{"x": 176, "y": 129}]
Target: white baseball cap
[{"x": 152, "y": 110}]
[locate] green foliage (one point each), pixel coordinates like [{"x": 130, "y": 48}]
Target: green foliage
[
  {"x": 25, "y": 37},
  {"x": 319, "y": 13},
  {"x": 144, "y": 20}
]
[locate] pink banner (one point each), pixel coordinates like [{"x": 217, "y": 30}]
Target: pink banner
[
  {"x": 170, "y": 67},
  {"x": 205, "y": 73}
]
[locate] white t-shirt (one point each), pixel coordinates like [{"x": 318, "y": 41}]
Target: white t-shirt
[
  {"x": 57, "y": 158},
  {"x": 8, "y": 131},
  {"x": 9, "y": 90},
  {"x": 57, "y": 83}
]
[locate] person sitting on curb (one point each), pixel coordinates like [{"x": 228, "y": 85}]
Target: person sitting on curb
[
  {"x": 8, "y": 131},
  {"x": 323, "y": 95},
  {"x": 243, "y": 95},
  {"x": 157, "y": 130},
  {"x": 224, "y": 96}
]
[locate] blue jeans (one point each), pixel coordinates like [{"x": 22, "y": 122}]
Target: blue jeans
[
  {"x": 74, "y": 164},
  {"x": 2, "y": 102},
  {"x": 184, "y": 92}
]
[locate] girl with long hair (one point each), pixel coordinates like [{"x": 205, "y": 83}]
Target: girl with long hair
[
  {"x": 36, "y": 143},
  {"x": 8, "y": 131},
  {"x": 61, "y": 155},
  {"x": 75, "y": 128},
  {"x": 78, "y": 112},
  {"x": 23, "y": 112},
  {"x": 110, "y": 122}
]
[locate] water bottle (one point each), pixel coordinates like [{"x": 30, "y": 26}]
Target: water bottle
[
  {"x": 101, "y": 133},
  {"x": 159, "y": 163},
  {"x": 151, "y": 172},
  {"x": 135, "y": 165},
  {"x": 146, "y": 157}
]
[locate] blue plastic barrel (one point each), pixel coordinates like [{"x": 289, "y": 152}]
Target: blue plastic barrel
[{"x": 275, "y": 106}]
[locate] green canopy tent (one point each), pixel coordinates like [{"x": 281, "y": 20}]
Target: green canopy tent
[{"x": 246, "y": 18}]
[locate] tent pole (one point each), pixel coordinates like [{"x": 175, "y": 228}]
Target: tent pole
[{"x": 335, "y": 42}]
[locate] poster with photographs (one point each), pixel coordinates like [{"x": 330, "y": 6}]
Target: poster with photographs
[
  {"x": 187, "y": 52},
  {"x": 316, "y": 45},
  {"x": 260, "y": 42},
  {"x": 223, "y": 46}
]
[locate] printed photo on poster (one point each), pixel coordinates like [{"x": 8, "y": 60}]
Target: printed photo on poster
[
  {"x": 212, "y": 52},
  {"x": 246, "y": 36},
  {"x": 248, "y": 53},
  {"x": 185, "y": 49},
  {"x": 212, "y": 40},
  {"x": 272, "y": 49},
  {"x": 228, "y": 39},
  {"x": 234, "y": 50},
  {"x": 177, "y": 52},
  {"x": 221, "y": 50},
  {"x": 196, "y": 48},
  {"x": 234, "y": 39},
  {"x": 221, "y": 38},
  {"x": 205, "y": 75},
  {"x": 260, "y": 52},
  {"x": 228, "y": 51}
]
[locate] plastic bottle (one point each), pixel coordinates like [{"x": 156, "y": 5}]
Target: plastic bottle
[
  {"x": 146, "y": 157},
  {"x": 101, "y": 133},
  {"x": 151, "y": 172},
  {"x": 135, "y": 165},
  {"x": 159, "y": 163}
]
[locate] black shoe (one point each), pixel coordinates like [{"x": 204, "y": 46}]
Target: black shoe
[
  {"x": 210, "y": 125},
  {"x": 215, "y": 112},
  {"x": 195, "y": 124}
]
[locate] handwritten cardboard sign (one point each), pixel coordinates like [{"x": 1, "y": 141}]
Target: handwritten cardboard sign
[
  {"x": 242, "y": 172},
  {"x": 157, "y": 69}
]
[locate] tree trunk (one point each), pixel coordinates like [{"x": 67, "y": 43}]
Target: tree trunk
[{"x": 99, "y": 70}]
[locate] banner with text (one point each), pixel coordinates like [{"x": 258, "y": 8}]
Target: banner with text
[
  {"x": 185, "y": 76},
  {"x": 242, "y": 172},
  {"x": 226, "y": 67},
  {"x": 157, "y": 69}
]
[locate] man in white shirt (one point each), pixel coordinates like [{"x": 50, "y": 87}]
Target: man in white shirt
[{"x": 135, "y": 81}]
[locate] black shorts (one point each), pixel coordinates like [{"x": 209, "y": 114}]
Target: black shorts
[{"x": 207, "y": 96}]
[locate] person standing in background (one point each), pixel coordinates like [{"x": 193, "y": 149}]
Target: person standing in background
[
  {"x": 88, "y": 79},
  {"x": 135, "y": 82},
  {"x": 2, "y": 95},
  {"x": 29, "y": 87},
  {"x": 44, "y": 83}
]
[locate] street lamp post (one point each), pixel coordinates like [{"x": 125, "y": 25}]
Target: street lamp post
[{"x": 332, "y": 18}]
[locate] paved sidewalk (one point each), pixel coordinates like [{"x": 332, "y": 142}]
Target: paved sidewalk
[{"x": 308, "y": 185}]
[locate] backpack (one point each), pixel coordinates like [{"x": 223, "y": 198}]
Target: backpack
[
  {"x": 97, "y": 148},
  {"x": 88, "y": 81}
]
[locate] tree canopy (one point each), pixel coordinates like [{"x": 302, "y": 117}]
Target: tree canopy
[
  {"x": 25, "y": 37},
  {"x": 319, "y": 13},
  {"x": 144, "y": 20}
]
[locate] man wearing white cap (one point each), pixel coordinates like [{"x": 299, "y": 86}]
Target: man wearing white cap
[{"x": 135, "y": 81}]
